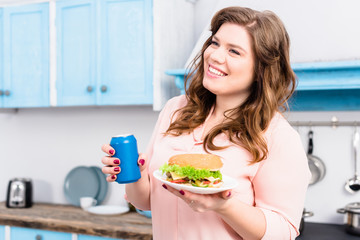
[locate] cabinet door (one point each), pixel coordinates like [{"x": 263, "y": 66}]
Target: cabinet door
[
  {"x": 26, "y": 55},
  {"x": 2, "y": 232},
  {"x": 76, "y": 52},
  {"x": 18, "y": 233},
  {"x": 88, "y": 237},
  {"x": 1, "y": 58},
  {"x": 126, "y": 52}
]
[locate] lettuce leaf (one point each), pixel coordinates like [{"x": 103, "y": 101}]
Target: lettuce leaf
[{"x": 190, "y": 172}]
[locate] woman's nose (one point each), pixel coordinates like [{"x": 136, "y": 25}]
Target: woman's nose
[{"x": 218, "y": 55}]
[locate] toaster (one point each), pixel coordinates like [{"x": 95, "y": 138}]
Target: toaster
[{"x": 19, "y": 193}]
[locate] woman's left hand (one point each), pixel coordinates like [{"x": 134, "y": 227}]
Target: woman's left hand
[{"x": 202, "y": 202}]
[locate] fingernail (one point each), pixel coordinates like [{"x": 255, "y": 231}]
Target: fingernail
[
  {"x": 111, "y": 151},
  {"x": 182, "y": 192},
  {"x": 164, "y": 186},
  {"x": 229, "y": 194},
  {"x": 142, "y": 162},
  {"x": 113, "y": 177},
  {"x": 116, "y": 161},
  {"x": 116, "y": 169}
]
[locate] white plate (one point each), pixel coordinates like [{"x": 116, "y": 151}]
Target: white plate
[
  {"x": 229, "y": 183},
  {"x": 108, "y": 209}
]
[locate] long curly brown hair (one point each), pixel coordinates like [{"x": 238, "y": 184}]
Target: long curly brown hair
[{"x": 274, "y": 83}]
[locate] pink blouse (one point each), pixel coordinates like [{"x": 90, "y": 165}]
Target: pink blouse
[{"x": 276, "y": 185}]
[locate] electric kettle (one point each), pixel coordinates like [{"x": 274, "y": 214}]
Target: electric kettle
[{"x": 19, "y": 193}]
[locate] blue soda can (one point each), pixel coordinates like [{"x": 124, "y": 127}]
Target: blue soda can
[{"x": 126, "y": 150}]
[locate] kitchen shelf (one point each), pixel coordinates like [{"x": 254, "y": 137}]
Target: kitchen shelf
[{"x": 322, "y": 86}]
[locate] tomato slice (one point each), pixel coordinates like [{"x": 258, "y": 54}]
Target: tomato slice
[{"x": 179, "y": 181}]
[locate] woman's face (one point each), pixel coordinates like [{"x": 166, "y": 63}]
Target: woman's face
[{"x": 229, "y": 63}]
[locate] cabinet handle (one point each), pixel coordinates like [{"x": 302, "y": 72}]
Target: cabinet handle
[
  {"x": 103, "y": 88},
  {"x": 7, "y": 93},
  {"x": 1, "y": 93},
  {"x": 38, "y": 237},
  {"x": 89, "y": 89}
]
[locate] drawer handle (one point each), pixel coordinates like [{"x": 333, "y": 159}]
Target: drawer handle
[
  {"x": 38, "y": 237},
  {"x": 1, "y": 92},
  {"x": 89, "y": 89},
  {"x": 103, "y": 88},
  {"x": 7, "y": 93}
]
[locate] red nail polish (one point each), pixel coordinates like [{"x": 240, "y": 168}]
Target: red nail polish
[
  {"x": 164, "y": 186},
  {"x": 116, "y": 161},
  {"x": 111, "y": 151},
  {"x": 142, "y": 162},
  {"x": 117, "y": 169},
  {"x": 113, "y": 177},
  {"x": 229, "y": 194},
  {"x": 182, "y": 192}
]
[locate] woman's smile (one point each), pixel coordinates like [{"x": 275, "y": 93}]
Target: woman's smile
[{"x": 215, "y": 72}]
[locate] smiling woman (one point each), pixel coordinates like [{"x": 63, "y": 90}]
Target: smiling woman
[
  {"x": 229, "y": 64},
  {"x": 241, "y": 80}
]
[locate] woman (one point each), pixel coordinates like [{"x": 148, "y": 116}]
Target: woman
[{"x": 240, "y": 81}]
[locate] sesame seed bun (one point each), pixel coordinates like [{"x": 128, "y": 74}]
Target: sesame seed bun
[{"x": 197, "y": 161}]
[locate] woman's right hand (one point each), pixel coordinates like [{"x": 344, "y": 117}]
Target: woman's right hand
[{"x": 112, "y": 164}]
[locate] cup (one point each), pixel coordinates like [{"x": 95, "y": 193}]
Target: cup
[{"x": 87, "y": 202}]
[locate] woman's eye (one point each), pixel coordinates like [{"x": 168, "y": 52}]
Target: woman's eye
[
  {"x": 214, "y": 43},
  {"x": 234, "y": 51}
]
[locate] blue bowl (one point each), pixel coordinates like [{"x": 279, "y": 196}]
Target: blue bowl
[{"x": 144, "y": 213}]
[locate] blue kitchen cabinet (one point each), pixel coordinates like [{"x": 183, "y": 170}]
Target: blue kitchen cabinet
[
  {"x": 76, "y": 52},
  {"x": 104, "y": 52},
  {"x": 88, "y": 237},
  {"x": 322, "y": 86},
  {"x": 18, "y": 233},
  {"x": 2, "y": 232},
  {"x": 24, "y": 54},
  {"x": 126, "y": 52}
]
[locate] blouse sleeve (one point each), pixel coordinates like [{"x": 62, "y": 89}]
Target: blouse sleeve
[{"x": 280, "y": 184}]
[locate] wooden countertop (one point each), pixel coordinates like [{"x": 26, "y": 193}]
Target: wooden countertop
[{"x": 67, "y": 218}]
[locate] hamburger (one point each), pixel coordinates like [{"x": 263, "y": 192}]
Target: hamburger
[{"x": 198, "y": 170}]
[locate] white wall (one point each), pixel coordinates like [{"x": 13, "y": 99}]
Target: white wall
[
  {"x": 173, "y": 38},
  {"x": 45, "y": 144},
  {"x": 322, "y": 30},
  {"x": 334, "y": 147}
]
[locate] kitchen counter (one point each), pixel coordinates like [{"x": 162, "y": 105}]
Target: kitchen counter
[
  {"x": 66, "y": 218},
  {"x": 322, "y": 231},
  {"x": 131, "y": 225}
]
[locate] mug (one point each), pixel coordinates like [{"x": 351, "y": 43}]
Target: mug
[{"x": 86, "y": 202}]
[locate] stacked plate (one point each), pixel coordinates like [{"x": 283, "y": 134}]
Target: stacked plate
[{"x": 85, "y": 182}]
